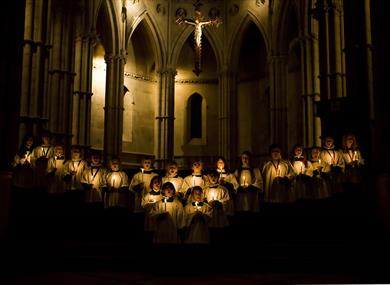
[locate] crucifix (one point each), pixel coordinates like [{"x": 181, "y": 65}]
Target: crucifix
[{"x": 198, "y": 24}]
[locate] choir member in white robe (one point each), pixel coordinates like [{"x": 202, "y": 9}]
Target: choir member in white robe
[
  {"x": 117, "y": 187},
  {"x": 23, "y": 174},
  {"x": 229, "y": 181},
  {"x": 251, "y": 185},
  {"x": 320, "y": 185},
  {"x": 195, "y": 179},
  {"x": 72, "y": 173},
  {"x": 303, "y": 170},
  {"x": 197, "y": 216},
  {"x": 149, "y": 199},
  {"x": 278, "y": 176},
  {"x": 39, "y": 160},
  {"x": 168, "y": 215},
  {"x": 54, "y": 171},
  {"x": 329, "y": 155},
  {"x": 218, "y": 198},
  {"x": 173, "y": 177},
  {"x": 353, "y": 160},
  {"x": 140, "y": 183},
  {"x": 94, "y": 181}
]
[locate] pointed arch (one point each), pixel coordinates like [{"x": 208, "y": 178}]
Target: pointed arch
[
  {"x": 182, "y": 38},
  {"x": 237, "y": 38},
  {"x": 158, "y": 48},
  {"x": 110, "y": 29}
]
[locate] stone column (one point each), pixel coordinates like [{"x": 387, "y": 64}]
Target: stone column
[
  {"x": 164, "y": 126},
  {"x": 58, "y": 102},
  {"x": 84, "y": 46},
  {"x": 113, "y": 109},
  {"x": 311, "y": 92},
  {"x": 227, "y": 114},
  {"x": 331, "y": 44},
  {"x": 34, "y": 66},
  {"x": 278, "y": 100}
]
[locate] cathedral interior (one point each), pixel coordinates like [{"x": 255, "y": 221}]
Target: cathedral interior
[{"x": 140, "y": 79}]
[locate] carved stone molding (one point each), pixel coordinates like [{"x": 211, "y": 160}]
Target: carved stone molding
[
  {"x": 160, "y": 8},
  {"x": 197, "y": 81},
  {"x": 139, "y": 77},
  {"x": 234, "y": 9}
]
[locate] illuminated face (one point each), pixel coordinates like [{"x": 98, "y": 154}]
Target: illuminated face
[
  {"x": 95, "y": 159},
  {"x": 115, "y": 165},
  {"x": 156, "y": 184},
  {"x": 245, "y": 159},
  {"x": 46, "y": 140},
  {"x": 172, "y": 170},
  {"x": 275, "y": 154},
  {"x": 213, "y": 178},
  {"x": 329, "y": 142},
  {"x": 29, "y": 142},
  {"x": 76, "y": 154},
  {"x": 298, "y": 151},
  {"x": 220, "y": 164},
  {"x": 146, "y": 164},
  {"x": 59, "y": 151},
  {"x": 197, "y": 195},
  {"x": 315, "y": 153},
  {"x": 168, "y": 192},
  {"x": 197, "y": 167},
  {"x": 349, "y": 141}
]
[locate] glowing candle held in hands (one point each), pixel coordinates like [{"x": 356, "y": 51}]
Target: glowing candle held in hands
[
  {"x": 278, "y": 171},
  {"x": 355, "y": 158}
]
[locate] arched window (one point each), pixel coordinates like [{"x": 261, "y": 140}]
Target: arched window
[{"x": 195, "y": 116}]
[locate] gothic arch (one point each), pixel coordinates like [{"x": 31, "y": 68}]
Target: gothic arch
[
  {"x": 181, "y": 39},
  {"x": 158, "y": 47},
  {"x": 237, "y": 38},
  {"x": 110, "y": 29}
]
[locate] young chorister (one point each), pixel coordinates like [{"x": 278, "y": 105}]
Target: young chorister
[
  {"x": 117, "y": 187},
  {"x": 227, "y": 180},
  {"x": 320, "y": 184},
  {"x": 149, "y": 199},
  {"x": 303, "y": 170},
  {"x": 168, "y": 215},
  {"x": 251, "y": 184},
  {"x": 72, "y": 173},
  {"x": 330, "y": 156},
  {"x": 278, "y": 176},
  {"x": 39, "y": 160},
  {"x": 196, "y": 178},
  {"x": 94, "y": 181},
  {"x": 140, "y": 183},
  {"x": 218, "y": 198},
  {"x": 23, "y": 174},
  {"x": 173, "y": 177},
  {"x": 353, "y": 160},
  {"x": 55, "y": 167},
  {"x": 197, "y": 216}
]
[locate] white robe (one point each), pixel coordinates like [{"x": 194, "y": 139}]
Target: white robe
[
  {"x": 335, "y": 170},
  {"x": 191, "y": 181},
  {"x": 167, "y": 226},
  {"x": 303, "y": 174},
  {"x": 77, "y": 166},
  {"x": 248, "y": 201},
  {"x": 148, "y": 202},
  {"x": 95, "y": 178},
  {"x": 177, "y": 182},
  {"x": 197, "y": 219},
  {"x": 23, "y": 173},
  {"x": 278, "y": 182},
  {"x": 353, "y": 161},
  {"x": 136, "y": 180},
  {"x": 320, "y": 187},
  {"x": 225, "y": 177},
  {"x": 220, "y": 194},
  {"x": 56, "y": 184},
  {"x": 115, "y": 197}
]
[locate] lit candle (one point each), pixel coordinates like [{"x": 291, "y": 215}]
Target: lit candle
[
  {"x": 301, "y": 167},
  {"x": 220, "y": 173},
  {"x": 355, "y": 156},
  {"x": 193, "y": 181},
  {"x": 165, "y": 204},
  {"x": 142, "y": 175},
  {"x": 197, "y": 207},
  {"x": 278, "y": 171},
  {"x": 244, "y": 180},
  {"x": 319, "y": 164},
  {"x": 113, "y": 182}
]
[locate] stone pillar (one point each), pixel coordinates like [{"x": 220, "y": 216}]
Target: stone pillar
[
  {"x": 164, "y": 127},
  {"x": 60, "y": 77},
  {"x": 278, "y": 100},
  {"x": 113, "y": 109},
  {"x": 331, "y": 44},
  {"x": 312, "y": 123},
  {"x": 83, "y": 89},
  {"x": 34, "y": 66},
  {"x": 227, "y": 114}
]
